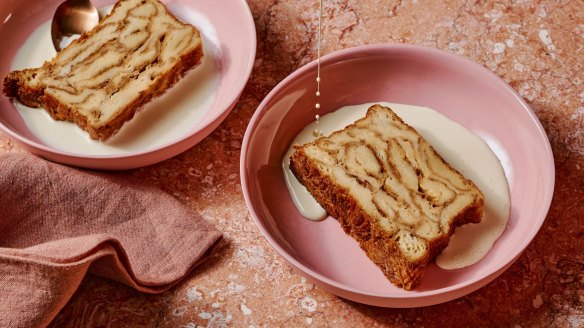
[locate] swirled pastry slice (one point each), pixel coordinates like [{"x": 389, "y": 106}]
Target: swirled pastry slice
[
  {"x": 101, "y": 79},
  {"x": 390, "y": 191}
]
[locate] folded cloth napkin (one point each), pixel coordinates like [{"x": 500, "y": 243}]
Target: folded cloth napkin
[{"x": 57, "y": 223}]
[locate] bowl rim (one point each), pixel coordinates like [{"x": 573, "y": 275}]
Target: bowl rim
[
  {"x": 382, "y": 49},
  {"x": 196, "y": 135}
]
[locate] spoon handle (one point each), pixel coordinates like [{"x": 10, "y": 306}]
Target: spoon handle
[{"x": 80, "y": 3}]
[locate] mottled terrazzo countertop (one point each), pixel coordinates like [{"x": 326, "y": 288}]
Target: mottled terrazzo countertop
[{"x": 536, "y": 46}]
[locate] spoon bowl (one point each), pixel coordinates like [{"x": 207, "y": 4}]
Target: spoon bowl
[{"x": 72, "y": 17}]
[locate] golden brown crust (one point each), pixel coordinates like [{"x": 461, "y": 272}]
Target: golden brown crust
[
  {"x": 379, "y": 247},
  {"x": 16, "y": 86},
  {"x": 377, "y": 243}
]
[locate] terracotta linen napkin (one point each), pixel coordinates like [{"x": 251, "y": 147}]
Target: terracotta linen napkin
[{"x": 57, "y": 223}]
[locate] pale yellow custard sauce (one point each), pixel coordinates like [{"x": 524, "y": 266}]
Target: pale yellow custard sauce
[{"x": 462, "y": 149}]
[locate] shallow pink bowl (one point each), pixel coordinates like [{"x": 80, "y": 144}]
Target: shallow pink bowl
[
  {"x": 464, "y": 91},
  {"x": 236, "y": 33}
]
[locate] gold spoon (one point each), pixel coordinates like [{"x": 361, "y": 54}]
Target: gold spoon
[{"x": 72, "y": 17}]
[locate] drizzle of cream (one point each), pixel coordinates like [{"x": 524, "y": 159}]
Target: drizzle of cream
[{"x": 318, "y": 79}]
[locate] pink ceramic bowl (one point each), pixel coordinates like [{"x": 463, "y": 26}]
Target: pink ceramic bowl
[
  {"x": 464, "y": 91},
  {"x": 234, "y": 32}
]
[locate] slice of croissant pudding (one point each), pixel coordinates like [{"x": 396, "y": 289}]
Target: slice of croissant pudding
[
  {"x": 103, "y": 78},
  {"x": 390, "y": 191}
]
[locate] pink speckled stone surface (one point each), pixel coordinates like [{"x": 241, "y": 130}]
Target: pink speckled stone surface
[{"x": 536, "y": 46}]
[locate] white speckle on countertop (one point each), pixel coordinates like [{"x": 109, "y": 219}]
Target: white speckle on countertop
[
  {"x": 498, "y": 48},
  {"x": 215, "y": 305},
  {"x": 233, "y": 288},
  {"x": 217, "y": 319},
  {"x": 456, "y": 47},
  {"x": 544, "y": 36},
  {"x": 245, "y": 309},
  {"x": 510, "y": 43},
  {"x": 194, "y": 295},
  {"x": 308, "y": 303},
  {"x": 576, "y": 142},
  {"x": 576, "y": 320},
  {"x": 251, "y": 257},
  {"x": 309, "y": 321},
  {"x": 205, "y": 315},
  {"x": 494, "y": 16},
  {"x": 579, "y": 112},
  {"x": 514, "y": 27}
]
